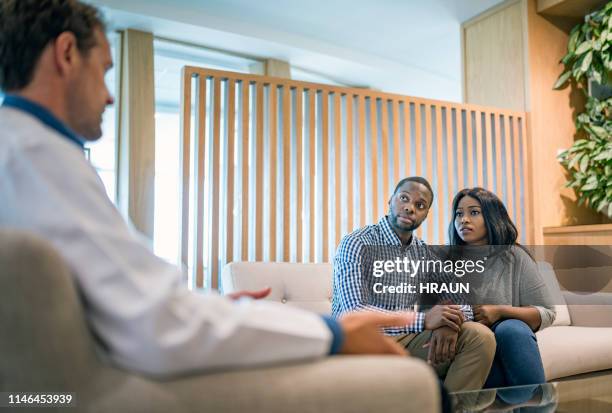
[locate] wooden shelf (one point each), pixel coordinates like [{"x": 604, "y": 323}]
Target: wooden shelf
[
  {"x": 569, "y": 8},
  {"x": 596, "y": 234}
]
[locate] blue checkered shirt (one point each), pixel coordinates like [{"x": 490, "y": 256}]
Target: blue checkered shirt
[{"x": 351, "y": 292}]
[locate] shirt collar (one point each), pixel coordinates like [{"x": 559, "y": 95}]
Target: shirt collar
[
  {"x": 390, "y": 235},
  {"x": 43, "y": 115}
]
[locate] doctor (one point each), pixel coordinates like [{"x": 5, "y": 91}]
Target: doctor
[{"x": 53, "y": 57}]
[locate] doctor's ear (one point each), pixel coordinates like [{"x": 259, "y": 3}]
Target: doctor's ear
[{"x": 66, "y": 52}]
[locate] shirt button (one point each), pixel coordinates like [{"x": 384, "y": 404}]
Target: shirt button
[{"x": 284, "y": 301}]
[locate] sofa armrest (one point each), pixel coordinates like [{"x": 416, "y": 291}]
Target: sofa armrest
[
  {"x": 339, "y": 384},
  {"x": 589, "y": 310}
]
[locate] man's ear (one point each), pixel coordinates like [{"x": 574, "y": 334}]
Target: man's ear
[{"x": 66, "y": 53}]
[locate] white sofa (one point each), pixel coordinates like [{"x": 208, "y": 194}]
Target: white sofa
[{"x": 579, "y": 342}]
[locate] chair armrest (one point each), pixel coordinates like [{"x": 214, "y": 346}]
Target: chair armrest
[{"x": 589, "y": 310}]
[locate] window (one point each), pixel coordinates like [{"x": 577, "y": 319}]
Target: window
[
  {"x": 170, "y": 57},
  {"x": 103, "y": 153}
]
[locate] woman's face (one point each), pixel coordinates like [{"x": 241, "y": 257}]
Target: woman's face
[{"x": 470, "y": 223}]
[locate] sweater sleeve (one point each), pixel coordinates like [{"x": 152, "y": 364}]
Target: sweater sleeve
[{"x": 532, "y": 289}]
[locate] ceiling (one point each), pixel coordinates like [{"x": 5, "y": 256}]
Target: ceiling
[{"x": 410, "y": 46}]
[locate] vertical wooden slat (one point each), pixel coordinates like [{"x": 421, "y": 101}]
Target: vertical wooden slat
[
  {"x": 518, "y": 205},
  {"x": 440, "y": 175},
  {"x": 286, "y": 173},
  {"x": 479, "y": 149},
  {"x": 362, "y": 160},
  {"x": 349, "y": 162},
  {"x": 418, "y": 139},
  {"x": 449, "y": 151},
  {"x": 184, "y": 154},
  {"x": 396, "y": 142},
  {"x": 470, "y": 150},
  {"x": 199, "y": 183},
  {"x": 325, "y": 173},
  {"x": 489, "y": 142},
  {"x": 385, "y": 153},
  {"x": 299, "y": 95},
  {"x": 418, "y": 149},
  {"x": 259, "y": 193},
  {"x": 374, "y": 157},
  {"x": 407, "y": 139},
  {"x": 508, "y": 174},
  {"x": 498, "y": 157},
  {"x": 337, "y": 167},
  {"x": 527, "y": 168},
  {"x": 429, "y": 156},
  {"x": 229, "y": 208},
  {"x": 273, "y": 164},
  {"x": 313, "y": 167},
  {"x": 245, "y": 171},
  {"x": 461, "y": 136},
  {"x": 214, "y": 227}
]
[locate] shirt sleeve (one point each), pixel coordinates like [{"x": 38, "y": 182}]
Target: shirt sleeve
[
  {"x": 350, "y": 292},
  {"x": 533, "y": 290},
  {"x": 138, "y": 304}
]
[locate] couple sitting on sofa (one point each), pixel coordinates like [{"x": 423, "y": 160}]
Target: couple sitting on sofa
[{"x": 490, "y": 343}]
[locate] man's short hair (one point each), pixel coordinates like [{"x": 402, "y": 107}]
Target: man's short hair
[
  {"x": 28, "y": 26},
  {"x": 417, "y": 179}
]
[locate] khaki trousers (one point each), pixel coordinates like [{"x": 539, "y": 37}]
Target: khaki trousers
[{"x": 473, "y": 356}]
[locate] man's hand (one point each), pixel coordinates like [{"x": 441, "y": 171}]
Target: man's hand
[
  {"x": 256, "y": 295},
  {"x": 487, "y": 314},
  {"x": 444, "y": 315},
  {"x": 362, "y": 333},
  {"x": 442, "y": 345}
]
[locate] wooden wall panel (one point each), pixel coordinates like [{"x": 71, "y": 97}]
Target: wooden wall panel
[
  {"x": 320, "y": 137},
  {"x": 493, "y": 57}
]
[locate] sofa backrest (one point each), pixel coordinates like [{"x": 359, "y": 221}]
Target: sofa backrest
[
  {"x": 46, "y": 344},
  {"x": 307, "y": 286}
]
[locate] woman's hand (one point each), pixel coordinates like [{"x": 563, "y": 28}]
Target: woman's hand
[{"x": 487, "y": 314}]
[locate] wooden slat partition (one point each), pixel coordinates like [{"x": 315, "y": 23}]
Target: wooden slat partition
[{"x": 330, "y": 157}]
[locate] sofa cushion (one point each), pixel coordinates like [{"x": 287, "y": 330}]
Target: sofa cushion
[
  {"x": 307, "y": 286},
  {"x": 569, "y": 350},
  {"x": 550, "y": 278}
]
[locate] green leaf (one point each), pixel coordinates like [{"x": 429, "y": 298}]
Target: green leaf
[
  {"x": 574, "y": 161},
  {"x": 602, "y": 205},
  {"x": 596, "y": 76},
  {"x": 610, "y": 206},
  {"x": 599, "y": 131},
  {"x": 589, "y": 187},
  {"x": 586, "y": 63},
  {"x": 562, "y": 79},
  {"x": 584, "y": 47},
  {"x": 603, "y": 156},
  {"x": 584, "y": 163},
  {"x": 573, "y": 40}
]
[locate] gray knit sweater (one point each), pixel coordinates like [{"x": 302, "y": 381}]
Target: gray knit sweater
[{"x": 512, "y": 278}]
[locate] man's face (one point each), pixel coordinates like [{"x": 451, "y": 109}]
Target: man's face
[
  {"x": 88, "y": 95},
  {"x": 409, "y": 206}
]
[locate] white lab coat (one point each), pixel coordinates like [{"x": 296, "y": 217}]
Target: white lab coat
[{"x": 137, "y": 303}]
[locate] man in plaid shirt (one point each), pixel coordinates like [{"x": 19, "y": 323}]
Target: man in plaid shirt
[{"x": 459, "y": 349}]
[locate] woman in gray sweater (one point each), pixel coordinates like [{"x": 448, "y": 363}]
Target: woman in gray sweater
[{"x": 511, "y": 299}]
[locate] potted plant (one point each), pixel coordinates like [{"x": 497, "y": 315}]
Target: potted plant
[{"x": 588, "y": 62}]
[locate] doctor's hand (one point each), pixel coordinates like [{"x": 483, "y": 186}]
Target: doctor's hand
[
  {"x": 362, "y": 333},
  {"x": 444, "y": 315},
  {"x": 256, "y": 295}
]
